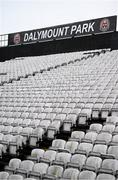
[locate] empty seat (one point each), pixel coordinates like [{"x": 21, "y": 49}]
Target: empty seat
[
  {"x": 62, "y": 158},
  {"x": 90, "y": 137},
  {"x": 25, "y": 122},
  {"x": 16, "y": 130},
  {"x": 13, "y": 165},
  {"x": 17, "y": 122},
  {"x": 38, "y": 170},
  {"x": 34, "y": 123},
  {"x": 108, "y": 128},
  {"x": 105, "y": 177},
  {"x": 2, "y": 128},
  {"x": 1, "y": 136},
  {"x": 15, "y": 145},
  {"x": 109, "y": 166},
  {"x": 25, "y": 167},
  {"x": 77, "y": 135},
  {"x": 93, "y": 163},
  {"x": 5, "y": 141},
  {"x": 96, "y": 127},
  {"x": 96, "y": 110},
  {"x": 26, "y": 132},
  {"x": 113, "y": 150},
  {"x": 114, "y": 140},
  {"x": 77, "y": 161},
  {"x": 36, "y": 136},
  {"x": 4, "y": 175},
  {"x": 71, "y": 146},
  {"x": 99, "y": 149},
  {"x": 103, "y": 137},
  {"x": 115, "y": 130},
  {"x": 48, "y": 156},
  {"x": 45, "y": 124},
  {"x": 84, "y": 148},
  {"x": 15, "y": 177},
  {"x": 87, "y": 175},
  {"x": 36, "y": 154},
  {"x": 53, "y": 129},
  {"x": 112, "y": 119},
  {"x": 58, "y": 144},
  {"x": 84, "y": 116},
  {"x": 53, "y": 172},
  {"x": 69, "y": 122},
  {"x": 7, "y": 129},
  {"x": 70, "y": 174}
]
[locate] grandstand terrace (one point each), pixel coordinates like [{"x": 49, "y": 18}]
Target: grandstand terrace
[{"x": 59, "y": 111}]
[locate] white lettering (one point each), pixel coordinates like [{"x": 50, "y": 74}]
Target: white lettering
[
  {"x": 61, "y": 32},
  {"x": 90, "y": 28},
  {"x": 44, "y": 34},
  {"x": 31, "y": 36},
  {"x": 35, "y": 38},
  {"x": 50, "y": 33},
  {"x": 73, "y": 29},
  {"x": 84, "y": 28},
  {"x": 79, "y": 29},
  {"x": 55, "y": 32},
  {"x": 26, "y": 37},
  {"x": 66, "y": 30},
  {"x": 39, "y": 34}
]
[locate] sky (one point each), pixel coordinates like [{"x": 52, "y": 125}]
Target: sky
[{"x": 23, "y": 15}]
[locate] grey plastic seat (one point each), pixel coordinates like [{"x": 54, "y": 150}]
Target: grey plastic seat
[
  {"x": 71, "y": 146},
  {"x": 26, "y": 132},
  {"x": 58, "y": 144},
  {"x": 69, "y": 122},
  {"x": 38, "y": 170},
  {"x": 87, "y": 175},
  {"x": 48, "y": 156},
  {"x": 99, "y": 149},
  {"x": 109, "y": 166},
  {"x": 90, "y": 137},
  {"x": 53, "y": 129},
  {"x": 108, "y": 128},
  {"x": 62, "y": 158},
  {"x": 25, "y": 167},
  {"x": 95, "y": 127},
  {"x": 93, "y": 163},
  {"x": 77, "y": 136},
  {"x": 112, "y": 119},
  {"x": 36, "y": 154},
  {"x": 16, "y": 130},
  {"x": 103, "y": 137},
  {"x": 70, "y": 174},
  {"x": 4, "y": 175},
  {"x": 15, "y": 177},
  {"x": 105, "y": 177},
  {"x": 53, "y": 172},
  {"x": 115, "y": 139},
  {"x": 77, "y": 161},
  {"x": 37, "y": 135},
  {"x": 113, "y": 150},
  {"x": 84, "y": 148},
  {"x": 13, "y": 165}
]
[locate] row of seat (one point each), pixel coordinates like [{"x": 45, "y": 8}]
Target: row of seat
[
  {"x": 68, "y": 174},
  {"x": 92, "y": 167},
  {"x": 84, "y": 109},
  {"x": 25, "y": 66}
]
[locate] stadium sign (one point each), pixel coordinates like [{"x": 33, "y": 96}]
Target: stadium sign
[{"x": 95, "y": 26}]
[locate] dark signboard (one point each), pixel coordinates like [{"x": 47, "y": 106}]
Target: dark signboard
[{"x": 94, "y": 26}]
